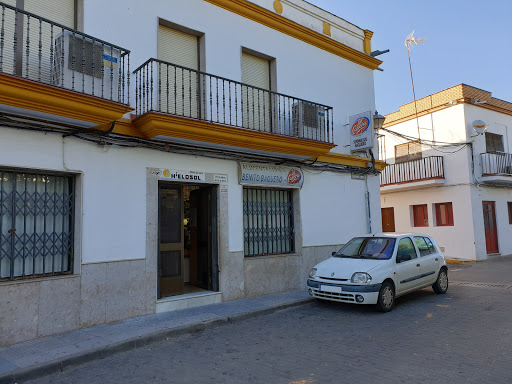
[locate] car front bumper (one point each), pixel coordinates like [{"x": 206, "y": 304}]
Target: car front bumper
[{"x": 345, "y": 293}]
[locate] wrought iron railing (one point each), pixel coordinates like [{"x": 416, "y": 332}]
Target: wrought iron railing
[
  {"x": 38, "y": 49},
  {"x": 496, "y": 163},
  {"x": 415, "y": 170},
  {"x": 176, "y": 90}
]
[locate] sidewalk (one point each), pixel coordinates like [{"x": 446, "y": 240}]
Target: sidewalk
[{"x": 31, "y": 359}]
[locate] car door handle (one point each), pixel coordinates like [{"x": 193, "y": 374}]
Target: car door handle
[{"x": 417, "y": 265}]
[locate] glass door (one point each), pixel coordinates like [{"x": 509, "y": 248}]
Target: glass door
[{"x": 171, "y": 252}]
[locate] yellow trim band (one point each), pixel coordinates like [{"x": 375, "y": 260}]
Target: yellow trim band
[
  {"x": 154, "y": 124},
  {"x": 27, "y": 94},
  {"x": 290, "y": 28},
  {"x": 356, "y": 161}
]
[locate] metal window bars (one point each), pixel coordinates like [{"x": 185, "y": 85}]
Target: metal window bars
[
  {"x": 36, "y": 224},
  {"x": 38, "y": 49},
  {"x": 414, "y": 170},
  {"x": 268, "y": 221},
  {"x": 172, "y": 89}
]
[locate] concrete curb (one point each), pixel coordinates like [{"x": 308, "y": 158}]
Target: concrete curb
[{"x": 59, "y": 365}]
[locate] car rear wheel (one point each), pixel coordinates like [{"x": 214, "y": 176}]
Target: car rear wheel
[
  {"x": 441, "y": 284},
  {"x": 386, "y": 297}
]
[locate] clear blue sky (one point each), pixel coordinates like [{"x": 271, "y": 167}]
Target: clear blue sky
[{"x": 467, "y": 41}]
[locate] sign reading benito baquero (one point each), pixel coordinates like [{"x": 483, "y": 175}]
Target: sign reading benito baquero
[{"x": 268, "y": 175}]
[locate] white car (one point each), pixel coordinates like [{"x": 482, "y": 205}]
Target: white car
[{"x": 377, "y": 269}]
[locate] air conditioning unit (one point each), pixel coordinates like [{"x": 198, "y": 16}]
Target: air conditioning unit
[
  {"x": 74, "y": 60},
  {"x": 309, "y": 121}
]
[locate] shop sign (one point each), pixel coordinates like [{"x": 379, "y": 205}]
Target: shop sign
[
  {"x": 184, "y": 176},
  {"x": 361, "y": 131},
  {"x": 270, "y": 175}
]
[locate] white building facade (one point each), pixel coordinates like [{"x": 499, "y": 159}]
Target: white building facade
[
  {"x": 456, "y": 185},
  {"x": 206, "y": 161}
]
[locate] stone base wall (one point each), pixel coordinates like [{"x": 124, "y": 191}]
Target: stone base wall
[
  {"x": 273, "y": 274},
  {"x": 103, "y": 293}
]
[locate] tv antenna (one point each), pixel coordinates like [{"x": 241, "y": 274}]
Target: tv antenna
[{"x": 411, "y": 42}]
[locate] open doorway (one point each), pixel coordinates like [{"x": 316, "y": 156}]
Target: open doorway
[{"x": 187, "y": 260}]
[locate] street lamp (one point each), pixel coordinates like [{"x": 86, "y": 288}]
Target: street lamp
[{"x": 378, "y": 121}]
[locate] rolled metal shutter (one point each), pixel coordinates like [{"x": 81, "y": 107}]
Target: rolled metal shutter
[
  {"x": 59, "y": 11},
  {"x": 256, "y": 105},
  {"x": 179, "y": 87}
]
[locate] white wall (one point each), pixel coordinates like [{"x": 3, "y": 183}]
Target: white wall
[
  {"x": 333, "y": 207},
  {"x": 303, "y": 71},
  {"x": 458, "y": 240}
]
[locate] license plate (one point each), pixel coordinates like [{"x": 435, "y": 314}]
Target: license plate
[{"x": 330, "y": 288}]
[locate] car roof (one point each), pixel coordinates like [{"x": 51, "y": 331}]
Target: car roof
[{"x": 394, "y": 235}]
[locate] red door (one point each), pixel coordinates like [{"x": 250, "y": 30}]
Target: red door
[
  {"x": 388, "y": 219},
  {"x": 491, "y": 232}
]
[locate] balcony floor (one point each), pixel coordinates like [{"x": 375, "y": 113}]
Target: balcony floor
[{"x": 411, "y": 185}]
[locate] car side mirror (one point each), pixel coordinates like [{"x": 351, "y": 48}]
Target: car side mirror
[
  {"x": 402, "y": 257},
  {"x": 333, "y": 253}
]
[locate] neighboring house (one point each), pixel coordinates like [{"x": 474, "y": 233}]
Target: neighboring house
[
  {"x": 206, "y": 161},
  {"x": 454, "y": 184}
]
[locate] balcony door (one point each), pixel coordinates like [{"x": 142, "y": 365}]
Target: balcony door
[
  {"x": 178, "y": 84},
  {"x": 491, "y": 232},
  {"x": 256, "y": 104}
]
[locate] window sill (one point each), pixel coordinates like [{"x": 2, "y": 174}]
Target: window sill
[{"x": 38, "y": 279}]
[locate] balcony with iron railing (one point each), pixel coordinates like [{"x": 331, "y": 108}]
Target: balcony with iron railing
[
  {"x": 496, "y": 168},
  {"x": 428, "y": 171},
  {"x": 58, "y": 71},
  {"x": 178, "y": 102}
]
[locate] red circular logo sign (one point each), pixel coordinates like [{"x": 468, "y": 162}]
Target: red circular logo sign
[
  {"x": 294, "y": 177},
  {"x": 360, "y": 126}
]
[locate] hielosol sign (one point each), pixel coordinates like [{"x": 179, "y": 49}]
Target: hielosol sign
[{"x": 361, "y": 131}]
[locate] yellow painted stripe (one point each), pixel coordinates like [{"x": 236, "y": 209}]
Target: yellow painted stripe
[{"x": 279, "y": 23}]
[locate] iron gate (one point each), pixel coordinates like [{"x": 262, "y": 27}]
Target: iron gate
[{"x": 36, "y": 224}]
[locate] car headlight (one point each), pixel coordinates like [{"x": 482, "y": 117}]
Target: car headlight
[
  {"x": 361, "y": 277},
  {"x": 312, "y": 273}
]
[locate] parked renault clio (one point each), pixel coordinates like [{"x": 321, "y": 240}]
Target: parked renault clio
[{"x": 377, "y": 269}]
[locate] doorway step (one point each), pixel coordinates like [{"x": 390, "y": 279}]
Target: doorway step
[{"x": 188, "y": 300}]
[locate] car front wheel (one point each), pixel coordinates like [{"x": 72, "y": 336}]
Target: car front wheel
[
  {"x": 441, "y": 284},
  {"x": 386, "y": 297}
]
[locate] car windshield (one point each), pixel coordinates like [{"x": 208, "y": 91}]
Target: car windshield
[{"x": 368, "y": 248}]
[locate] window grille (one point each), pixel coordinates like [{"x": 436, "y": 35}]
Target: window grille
[
  {"x": 36, "y": 224},
  {"x": 268, "y": 221},
  {"x": 493, "y": 143}
]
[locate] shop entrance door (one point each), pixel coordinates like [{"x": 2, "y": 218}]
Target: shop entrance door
[
  {"x": 188, "y": 254},
  {"x": 491, "y": 232}
]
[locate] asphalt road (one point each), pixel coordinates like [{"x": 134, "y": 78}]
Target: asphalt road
[{"x": 464, "y": 336}]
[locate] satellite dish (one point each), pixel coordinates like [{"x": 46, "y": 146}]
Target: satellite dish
[{"x": 479, "y": 126}]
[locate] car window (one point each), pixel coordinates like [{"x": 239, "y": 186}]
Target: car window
[
  {"x": 406, "y": 247},
  {"x": 422, "y": 246},
  {"x": 430, "y": 245},
  {"x": 368, "y": 248}
]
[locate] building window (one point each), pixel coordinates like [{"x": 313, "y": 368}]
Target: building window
[
  {"x": 509, "y": 204},
  {"x": 408, "y": 152},
  {"x": 493, "y": 143},
  {"x": 268, "y": 221},
  {"x": 420, "y": 215},
  {"x": 444, "y": 214},
  {"x": 36, "y": 224}
]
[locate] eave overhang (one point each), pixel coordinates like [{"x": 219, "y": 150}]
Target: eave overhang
[
  {"x": 47, "y": 99},
  {"x": 355, "y": 161}
]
